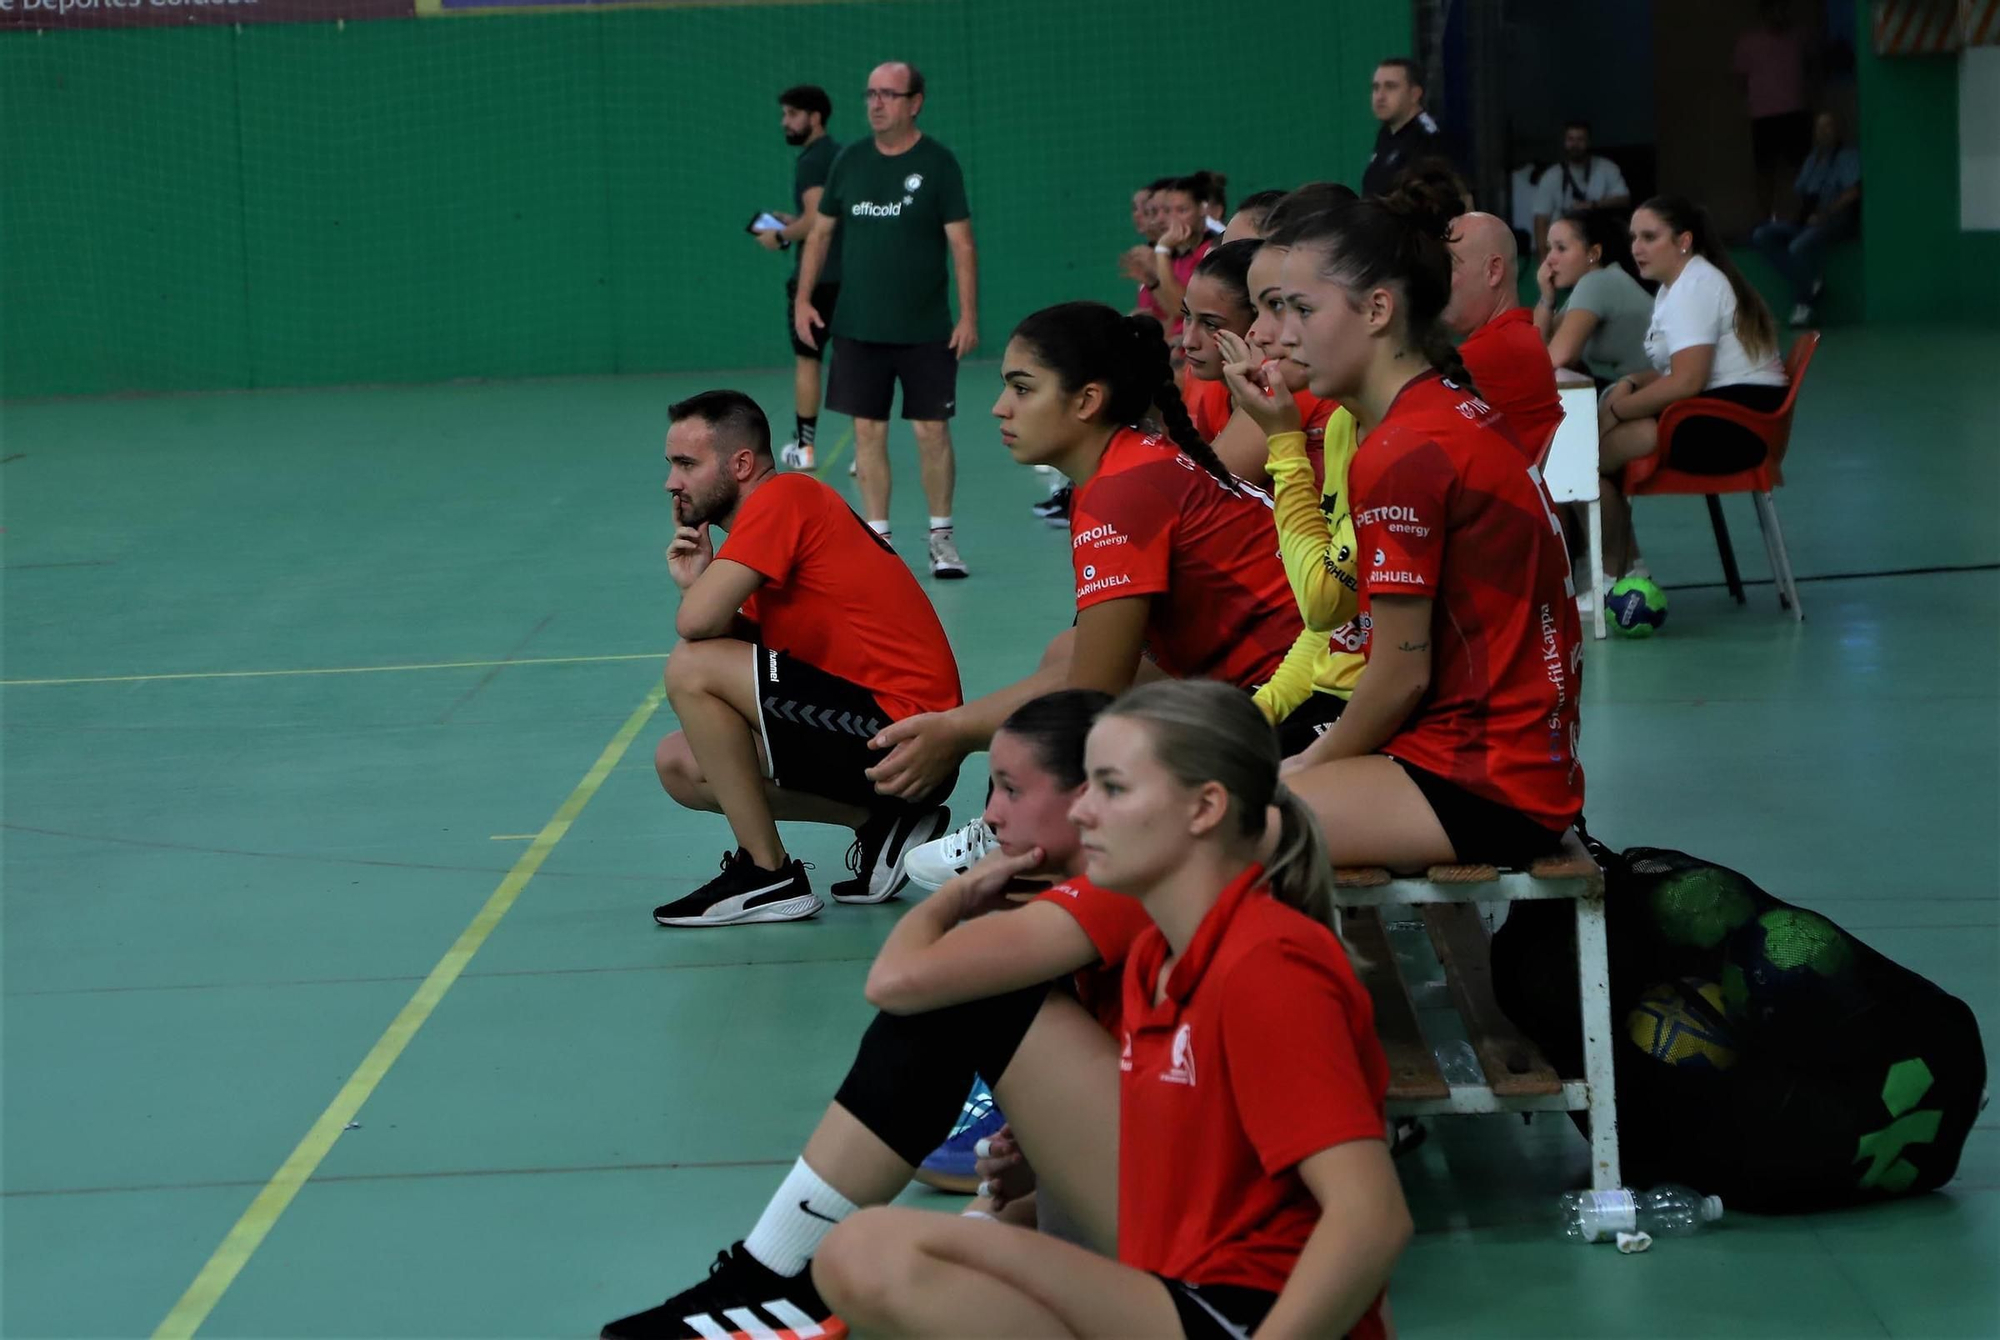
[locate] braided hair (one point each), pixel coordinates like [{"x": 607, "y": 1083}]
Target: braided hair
[
  {"x": 1085, "y": 342},
  {"x": 1399, "y": 241}
]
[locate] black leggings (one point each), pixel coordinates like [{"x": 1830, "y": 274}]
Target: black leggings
[{"x": 911, "y": 1075}]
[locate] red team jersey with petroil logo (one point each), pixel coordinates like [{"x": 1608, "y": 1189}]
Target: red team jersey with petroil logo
[
  {"x": 1261, "y": 1054},
  {"x": 1153, "y": 523},
  {"x": 1446, "y": 508}
]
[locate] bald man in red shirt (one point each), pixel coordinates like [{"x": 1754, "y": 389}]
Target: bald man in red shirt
[{"x": 1500, "y": 345}]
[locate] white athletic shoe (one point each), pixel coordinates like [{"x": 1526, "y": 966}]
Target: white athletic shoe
[
  {"x": 1802, "y": 314},
  {"x": 853, "y": 468},
  {"x": 953, "y": 854},
  {"x": 945, "y": 562},
  {"x": 796, "y": 455}
]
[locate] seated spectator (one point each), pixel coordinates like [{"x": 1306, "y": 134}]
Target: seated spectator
[
  {"x": 1218, "y": 302},
  {"x": 1250, "y": 216},
  {"x": 1212, "y": 194},
  {"x": 1500, "y": 346},
  {"x": 1136, "y": 262},
  {"x": 1578, "y": 179},
  {"x": 1179, "y": 247},
  {"x": 1601, "y": 325},
  {"x": 1711, "y": 336},
  {"x": 1829, "y": 192}
]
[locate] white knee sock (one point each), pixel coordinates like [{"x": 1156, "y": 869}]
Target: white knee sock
[{"x": 803, "y": 1212}]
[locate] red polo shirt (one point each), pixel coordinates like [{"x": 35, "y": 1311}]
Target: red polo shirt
[
  {"x": 1510, "y": 366},
  {"x": 1262, "y": 1054}
]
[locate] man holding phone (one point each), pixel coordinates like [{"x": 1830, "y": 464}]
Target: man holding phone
[
  {"x": 804, "y": 112},
  {"x": 802, "y": 637}
]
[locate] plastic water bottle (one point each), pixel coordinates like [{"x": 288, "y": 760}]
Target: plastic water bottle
[{"x": 1664, "y": 1212}]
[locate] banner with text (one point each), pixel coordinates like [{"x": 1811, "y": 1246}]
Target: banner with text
[{"x": 174, "y": 13}]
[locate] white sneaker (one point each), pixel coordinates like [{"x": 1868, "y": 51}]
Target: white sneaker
[
  {"x": 1801, "y": 314},
  {"x": 796, "y": 455},
  {"x": 945, "y": 562},
  {"x": 1586, "y": 601},
  {"x": 853, "y": 468},
  {"x": 953, "y": 854}
]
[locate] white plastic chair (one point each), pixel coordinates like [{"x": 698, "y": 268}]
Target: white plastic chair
[{"x": 1570, "y": 470}]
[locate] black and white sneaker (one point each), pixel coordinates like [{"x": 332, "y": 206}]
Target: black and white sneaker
[
  {"x": 881, "y": 849},
  {"x": 1054, "y": 509},
  {"x": 744, "y": 892},
  {"x": 742, "y": 1299}
]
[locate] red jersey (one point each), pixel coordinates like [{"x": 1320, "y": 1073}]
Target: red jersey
[
  {"x": 1112, "y": 921},
  {"x": 1444, "y": 507},
  {"x": 837, "y": 597},
  {"x": 1510, "y": 366},
  {"x": 1209, "y": 406},
  {"x": 1261, "y": 1054},
  {"x": 1152, "y": 523}
]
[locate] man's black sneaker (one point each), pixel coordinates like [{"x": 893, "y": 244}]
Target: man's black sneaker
[
  {"x": 880, "y": 849},
  {"x": 743, "y": 892},
  {"x": 1054, "y": 509},
  {"x": 742, "y": 1298}
]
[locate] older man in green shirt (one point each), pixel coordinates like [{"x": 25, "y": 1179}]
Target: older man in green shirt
[{"x": 898, "y": 199}]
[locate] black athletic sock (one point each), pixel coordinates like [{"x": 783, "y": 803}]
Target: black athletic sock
[{"x": 808, "y": 425}]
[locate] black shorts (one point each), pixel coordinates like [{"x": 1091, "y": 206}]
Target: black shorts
[
  {"x": 1309, "y": 720},
  {"x": 1218, "y": 1311},
  {"x": 816, "y": 728},
  {"x": 862, "y": 384},
  {"x": 1776, "y": 140},
  {"x": 825, "y": 296},
  {"x": 1706, "y": 446},
  {"x": 1482, "y": 831}
]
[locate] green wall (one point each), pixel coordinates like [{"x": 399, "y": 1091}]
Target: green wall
[
  {"x": 283, "y": 205},
  {"x": 1917, "y": 264}
]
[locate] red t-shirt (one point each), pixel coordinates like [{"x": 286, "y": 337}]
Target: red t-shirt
[
  {"x": 1444, "y": 507},
  {"x": 837, "y": 597},
  {"x": 1112, "y": 921},
  {"x": 1510, "y": 366},
  {"x": 1151, "y": 522},
  {"x": 1262, "y": 1054}
]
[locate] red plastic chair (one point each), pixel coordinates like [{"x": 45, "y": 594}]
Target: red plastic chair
[{"x": 1650, "y": 475}]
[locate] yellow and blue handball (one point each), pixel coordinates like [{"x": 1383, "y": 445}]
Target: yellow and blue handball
[
  {"x": 1683, "y": 1024},
  {"x": 1637, "y": 606}
]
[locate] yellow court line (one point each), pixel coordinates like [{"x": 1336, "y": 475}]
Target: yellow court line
[
  {"x": 250, "y": 1231},
  {"x": 840, "y": 445},
  {"x": 336, "y": 670}
]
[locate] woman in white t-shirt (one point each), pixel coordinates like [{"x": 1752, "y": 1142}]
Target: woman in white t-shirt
[{"x": 1711, "y": 336}]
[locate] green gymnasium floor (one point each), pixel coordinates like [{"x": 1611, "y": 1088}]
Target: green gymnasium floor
[{"x": 293, "y": 680}]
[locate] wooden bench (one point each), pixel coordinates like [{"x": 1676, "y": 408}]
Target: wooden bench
[{"x": 1518, "y": 1078}]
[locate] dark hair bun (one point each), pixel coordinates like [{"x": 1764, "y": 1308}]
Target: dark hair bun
[{"x": 1428, "y": 201}]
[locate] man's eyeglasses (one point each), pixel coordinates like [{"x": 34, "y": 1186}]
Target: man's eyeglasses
[{"x": 885, "y": 94}]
